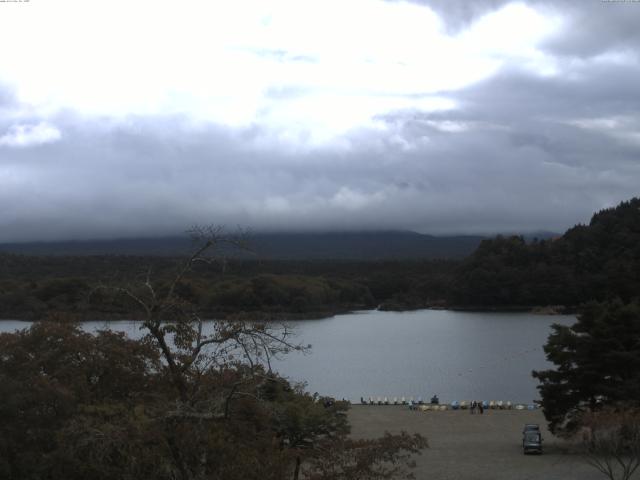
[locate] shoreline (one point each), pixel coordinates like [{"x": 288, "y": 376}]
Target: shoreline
[
  {"x": 548, "y": 310},
  {"x": 536, "y": 309}
]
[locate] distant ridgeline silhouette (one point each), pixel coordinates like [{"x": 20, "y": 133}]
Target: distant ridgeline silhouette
[
  {"x": 589, "y": 262},
  {"x": 395, "y": 270},
  {"x": 290, "y": 246}
]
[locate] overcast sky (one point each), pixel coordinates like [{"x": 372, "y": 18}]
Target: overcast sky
[{"x": 121, "y": 118}]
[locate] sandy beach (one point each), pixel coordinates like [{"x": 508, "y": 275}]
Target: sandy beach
[{"x": 474, "y": 447}]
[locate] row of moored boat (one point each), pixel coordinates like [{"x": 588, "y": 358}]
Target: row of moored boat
[{"x": 420, "y": 404}]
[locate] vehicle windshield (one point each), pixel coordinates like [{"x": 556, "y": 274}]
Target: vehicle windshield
[{"x": 532, "y": 437}]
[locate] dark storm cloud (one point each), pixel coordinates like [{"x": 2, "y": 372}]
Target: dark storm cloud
[
  {"x": 554, "y": 147},
  {"x": 552, "y": 114},
  {"x": 520, "y": 152},
  {"x": 592, "y": 27},
  {"x": 501, "y": 162},
  {"x": 459, "y": 14},
  {"x": 596, "y": 27}
]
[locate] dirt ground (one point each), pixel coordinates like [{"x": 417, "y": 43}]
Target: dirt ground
[{"x": 474, "y": 447}]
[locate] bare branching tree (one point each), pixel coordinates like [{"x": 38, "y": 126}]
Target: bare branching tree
[
  {"x": 189, "y": 347},
  {"x": 209, "y": 363},
  {"x": 611, "y": 442}
]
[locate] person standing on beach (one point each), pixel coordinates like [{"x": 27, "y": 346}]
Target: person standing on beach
[
  {"x": 480, "y": 407},
  {"x": 472, "y": 409}
]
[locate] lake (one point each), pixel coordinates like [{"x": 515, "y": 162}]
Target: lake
[{"x": 457, "y": 355}]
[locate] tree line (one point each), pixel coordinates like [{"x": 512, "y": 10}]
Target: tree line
[{"x": 34, "y": 287}]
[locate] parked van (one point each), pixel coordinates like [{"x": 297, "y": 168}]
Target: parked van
[{"x": 531, "y": 438}]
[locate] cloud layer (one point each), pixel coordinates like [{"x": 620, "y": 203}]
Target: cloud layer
[{"x": 435, "y": 117}]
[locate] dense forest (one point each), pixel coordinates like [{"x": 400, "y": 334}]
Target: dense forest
[
  {"x": 33, "y": 287},
  {"x": 589, "y": 262}
]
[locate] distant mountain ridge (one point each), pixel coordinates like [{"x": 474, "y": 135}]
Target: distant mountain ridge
[{"x": 381, "y": 245}]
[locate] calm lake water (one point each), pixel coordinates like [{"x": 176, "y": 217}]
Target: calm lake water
[{"x": 457, "y": 355}]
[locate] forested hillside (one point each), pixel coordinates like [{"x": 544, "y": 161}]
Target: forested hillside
[{"x": 589, "y": 262}]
